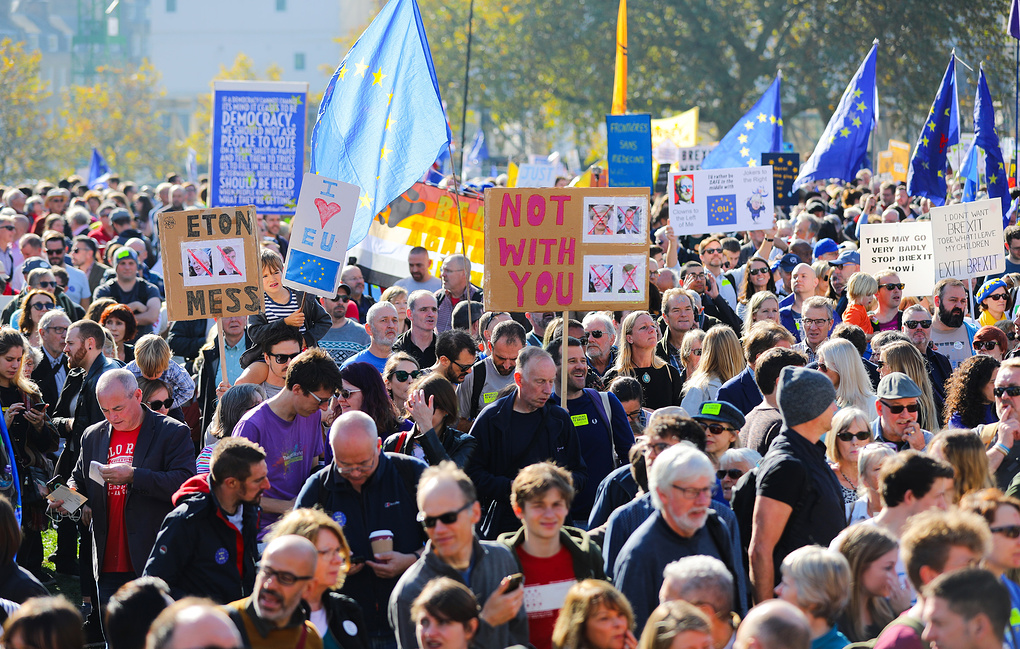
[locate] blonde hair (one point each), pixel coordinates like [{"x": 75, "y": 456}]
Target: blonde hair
[
  {"x": 721, "y": 357},
  {"x": 841, "y": 422},
  {"x": 308, "y": 523},
  {"x": 669, "y": 620},
  {"x": 822, "y": 580},
  {"x": 854, "y": 383},
  {"x": 964, "y": 450},
  {"x": 152, "y": 354},
  {"x": 861, "y": 285},
  {"x": 902, "y": 356},
  {"x": 392, "y": 293},
  {"x": 687, "y": 344},
  {"x": 583, "y": 599},
  {"x": 753, "y": 305},
  {"x": 625, "y": 359}
]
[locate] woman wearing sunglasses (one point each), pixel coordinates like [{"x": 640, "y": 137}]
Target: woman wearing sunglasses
[
  {"x": 156, "y": 395},
  {"x": 757, "y": 279},
  {"x": 37, "y": 304},
  {"x": 849, "y": 433},
  {"x": 839, "y": 360},
  {"x": 991, "y": 341},
  {"x": 363, "y": 389},
  {"x": 432, "y": 403},
  {"x": 970, "y": 401},
  {"x": 733, "y": 464},
  {"x": 400, "y": 370},
  {"x": 1002, "y": 513},
  {"x": 993, "y": 302}
]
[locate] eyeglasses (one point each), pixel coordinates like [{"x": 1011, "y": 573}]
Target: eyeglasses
[
  {"x": 822, "y": 367},
  {"x": 878, "y": 363},
  {"x": 449, "y": 518},
  {"x": 815, "y": 322},
  {"x": 914, "y": 324},
  {"x": 914, "y": 407},
  {"x": 1009, "y": 531},
  {"x": 402, "y": 375},
  {"x": 849, "y": 435},
  {"x": 1011, "y": 390},
  {"x": 695, "y": 275},
  {"x": 712, "y": 251},
  {"x": 345, "y": 393},
  {"x": 732, "y": 474},
  {"x": 996, "y": 296},
  {"x": 282, "y": 576},
  {"x": 52, "y": 284},
  {"x": 691, "y": 493},
  {"x": 283, "y": 358},
  {"x": 7, "y": 227},
  {"x": 317, "y": 398},
  {"x": 58, "y": 330},
  {"x": 332, "y": 552},
  {"x": 59, "y": 251},
  {"x": 892, "y": 287},
  {"x": 361, "y": 467},
  {"x": 758, "y": 271},
  {"x": 657, "y": 448},
  {"x": 42, "y": 306},
  {"x": 157, "y": 405},
  {"x": 718, "y": 429},
  {"x": 463, "y": 368},
  {"x": 596, "y": 334},
  {"x": 695, "y": 352},
  {"x": 985, "y": 344}
]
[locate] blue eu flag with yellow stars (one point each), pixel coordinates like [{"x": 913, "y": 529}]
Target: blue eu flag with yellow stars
[
  {"x": 759, "y": 131},
  {"x": 381, "y": 122},
  {"x": 988, "y": 141},
  {"x": 310, "y": 270},
  {"x": 926, "y": 175},
  {"x": 844, "y": 144}
]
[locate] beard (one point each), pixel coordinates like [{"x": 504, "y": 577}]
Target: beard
[{"x": 952, "y": 318}]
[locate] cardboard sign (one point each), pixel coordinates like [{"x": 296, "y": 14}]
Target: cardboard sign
[
  {"x": 566, "y": 249},
  {"x": 785, "y": 168},
  {"x": 629, "y": 146},
  {"x": 968, "y": 239},
  {"x": 258, "y": 144},
  {"x": 536, "y": 175},
  {"x": 320, "y": 232},
  {"x": 721, "y": 200},
  {"x": 211, "y": 263},
  {"x": 905, "y": 248}
]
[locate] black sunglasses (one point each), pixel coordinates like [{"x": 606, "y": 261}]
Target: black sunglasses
[
  {"x": 718, "y": 429},
  {"x": 1009, "y": 531},
  {"x": 848, "y": 436},
  {"x": 988, "y": 345},
  {"x": 997, "y": 296},
  {"x": 283, "y": 358},
  {"x": 733, "y": 474},
  {"x": 449, "y": 518},
  {"x": 892, "y": 287},
  {"x": 914, "y": 407},
  {"x": 156, "y": 405},
  {"x": 758, "y": 271},
  {"x": 595, "y": 334},
  {"x": 402, "y": 376},
  {"x": 914, "y": 324},
  {"x": 1011, "y": 390}
]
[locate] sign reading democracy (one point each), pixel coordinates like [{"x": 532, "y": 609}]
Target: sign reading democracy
[
  {"x": 258, "y": 144},
  {"x": 968, "y": 239},
  {"x": 905, "y": 248},
  {"x": 320, "y": 232},
  {"x": 714, "y": 200},
  {"x": 566, "y": 248},
  {"x": 629, "y": 147},
  {"x": 211, "y": 263},
  {"x": 785, "y": 168}
]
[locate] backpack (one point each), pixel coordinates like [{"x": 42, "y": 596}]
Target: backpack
[{"x": 478, "y": 382}]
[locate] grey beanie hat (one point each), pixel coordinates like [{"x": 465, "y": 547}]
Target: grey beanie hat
[{"x": 803, "y": 394}]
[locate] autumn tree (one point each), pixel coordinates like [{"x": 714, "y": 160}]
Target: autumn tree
[{"x": 23, "y": 143}]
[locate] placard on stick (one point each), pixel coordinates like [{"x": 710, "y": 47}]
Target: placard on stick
[
  {"x": 721, "y": 200},
  {"x": 211, "y": 263},
  {"x": 905, "y": 248},
  {"x": 566, "y": 248},
  {"x": 968, "y": 239}
]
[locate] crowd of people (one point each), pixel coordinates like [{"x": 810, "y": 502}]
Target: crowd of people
[{"x": 780, "y": 451}]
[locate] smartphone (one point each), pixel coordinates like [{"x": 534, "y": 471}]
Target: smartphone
[
  {"x": 40, "y": 406},
  {"x": 357, "y": 559},
  {"x": 516, "y": 580}
]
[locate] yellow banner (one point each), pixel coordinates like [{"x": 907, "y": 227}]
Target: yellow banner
[{"x": 681, "y": 129}]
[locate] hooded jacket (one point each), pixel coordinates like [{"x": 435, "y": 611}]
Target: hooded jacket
[{"x": 585, "y": 553}]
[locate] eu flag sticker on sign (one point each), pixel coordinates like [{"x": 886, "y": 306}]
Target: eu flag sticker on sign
[
  {"x": 311, "y": 271},
  {"x": 722, "y": 210}
]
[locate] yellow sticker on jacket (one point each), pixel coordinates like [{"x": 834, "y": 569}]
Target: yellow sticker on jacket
[
  {"x": 579, "y": 420},
  {"x": 489, "y": 397}
]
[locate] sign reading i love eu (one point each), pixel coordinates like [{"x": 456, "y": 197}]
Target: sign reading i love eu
[{"x": 320, "y": 232}]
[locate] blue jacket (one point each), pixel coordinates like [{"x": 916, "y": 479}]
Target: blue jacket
[
  {"x": 501, "y": 453},
  {"x": 384, "y": 503},
  {"x": 741, "y": 391}
]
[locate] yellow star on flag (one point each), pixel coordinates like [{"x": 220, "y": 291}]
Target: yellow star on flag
[
  {"x": 751, "y": 163},
  {"x": 844, "y": 131},
  {"x": 762, "y": 117},
  {"x": 364, "y": 201},
  {"x": 856, "y": 121},
  {"x": 832, "y": 139},
  {"x": 925, "y": 140},
  {"x": 779, "y": 121},
  {"x": 993, "y": 179},
  {"x": 857, "y": 93},
  {"x": 390, "y": 99},
  {"x": 385, "y": 152},
  {"x": 779, "y": 159},
  {"x": 742, "y": 138},
  {"x": 772, "y": 119},
  {"x": 379, "y": 76},
  {"x": 390, "y": 122},
  {"x": 361, "y": 68},
  {"x": 947, "y": 112},
  {"x": 343, "y": 71},
  {"x": 931, "y": 126},
  {"x": 925, "y": 165},
  {"x": 749, "y": 125},
  {"x": 744, "y": 152},
  {"x": 861, "y": 106},
  {"x": 939, "y": 173}
]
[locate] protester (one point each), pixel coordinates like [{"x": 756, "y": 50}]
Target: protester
[
  {"x": 16, "y": 583},
  {"x": 690, "y": 354},
  {"x": 362, "y": 388},
  {"x": 967, "y": 609},
  {"x": 420, "y": 340},
  {"x": 757, "y": 279},
  {"x": 963, "y": 450},
  {"x": 970, "y": 399},
  {"x": 456, "y": 352},
  {"x": 992, "y": 341},
  {"x": 817, "y": 581},
  {"x": 601, "y": 349},
  {"x": 381, "y": 326},
  {"x": 993, "y": 301},
  {"x": 490, "y": 375},
  {"x": 733, "y": 464},
  {"x": 192, "y": 622},
  {"x": 445, "y": 614},
  {"x": 595, "y": 615},
  {"x": 872, "y": 554},
  {"x": 843, "y": 443},
  {"x": 951, "y": 334},
  {"x": 705, "y": 583},
  {"x": 680, "y": 316},
  {"x": 763, "y": 423},
  {"x": 346, "y": 337},
  {"x": 764, "y": 305},
  {"x": 869, "y": 465},
  {"x": 398, "y": 373},
  {"x": 141, "y": 297},
  {"x": 721, "y": 360},
  {"x": 660, "y": 383},
  {"x": 839, "y": 360},
  {"x": 234, "y": 403},
  {"x": 120, "y": 322},
  {"x": 774, "y": 625},
  {"x": 678, "y": 625},
  {"x": 432, "y": 404},
  {"x": 44, "y": 623},
  {"x": 456, "y": 278}
]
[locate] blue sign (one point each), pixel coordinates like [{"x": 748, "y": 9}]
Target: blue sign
[
  {"x": 722, "y": 210},
  {"x": 258, "y": 145},
  {"x": 629, "y": 150}
]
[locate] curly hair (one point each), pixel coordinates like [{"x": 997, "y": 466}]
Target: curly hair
[{"x": 965, "y": 390}]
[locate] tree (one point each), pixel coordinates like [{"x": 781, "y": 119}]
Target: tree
[
  {"x": 119, "y": 115},
  {"x": 24, "y": 146}
]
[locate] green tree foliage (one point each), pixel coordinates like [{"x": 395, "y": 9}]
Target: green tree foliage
[{"x": 23, "y": 143}]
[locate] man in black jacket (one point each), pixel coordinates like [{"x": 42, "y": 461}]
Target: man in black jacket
[
  {"x": 207, "y": 545},
  {"x": 208, "y": 365},
  {"x": 541, "y": 430}
]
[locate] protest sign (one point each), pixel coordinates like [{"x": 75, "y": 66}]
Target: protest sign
[
  {"x": 716, "y": 200},
  {"x": 566, "y": 248},
  {"x": 535, "y": 175},
  {"x": 968, "y": 239},
  {"x": 319, "y": 235},
  {"x": 211, "y": 263},
  {"x": 689, "y": 158},
  {"x": 629, "y": 147},
  {"x": 674, "y": 133},
  {"x": 423, "y": 216},
  {"x": 258, "y": 144},
  {"x": 905, "y": 248},
  {"x": 785, "y": 168}
]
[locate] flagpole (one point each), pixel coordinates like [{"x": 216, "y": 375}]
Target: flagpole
[
  {"x": 463, "y": 124},
  {"x": 874, "y": 128},
  {"x": 1016, "y": 117}
]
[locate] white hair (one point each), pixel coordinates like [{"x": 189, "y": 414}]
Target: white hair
[
  {"x": 701, "y": 577},
  {"x": 681, "y": 462},
  {"x": 600, "y": 318}
]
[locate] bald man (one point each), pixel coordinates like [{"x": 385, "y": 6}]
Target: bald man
[
  {"x": 193, "y": 622},
  {"x": 270, "y": 618},
  {"x": 803, "y": 283},
  {"x": 774, "y": 624},
  {"x": 365, "y": 489}
]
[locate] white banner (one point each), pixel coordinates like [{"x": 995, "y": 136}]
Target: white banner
[
  {"x": 968, "y": 239},
  {"x": 721, "y": 200},
  {"x": 904, "y": 248}
]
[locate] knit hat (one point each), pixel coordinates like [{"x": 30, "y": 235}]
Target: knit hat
[
  {"x": 803, "y": 394},
  {"x": 990, "y": 287}
]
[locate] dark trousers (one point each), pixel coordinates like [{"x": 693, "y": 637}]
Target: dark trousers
[{"x": 30, "y": 554}]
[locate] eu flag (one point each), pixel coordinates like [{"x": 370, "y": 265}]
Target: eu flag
[
  {"x": 381, "y": 122},
  {"x": 312, "y": 270},
  {"x": 759, "y": 131},
  {"x": 844, "y": 144},
  {"x": 985, "y": 137},
  {"x": 99, "y": 171},
  {"x": 926, "y": 175}
]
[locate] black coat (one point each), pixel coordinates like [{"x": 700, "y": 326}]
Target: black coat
[
  {"x": 205, "y": 382},
  {"x": 86, "y": 412}
]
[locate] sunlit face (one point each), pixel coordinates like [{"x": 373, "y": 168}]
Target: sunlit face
[
  {"x": 354, "y": 399},
  {"x": 536, "y": 384},
  {"x": 423, "y": 315},
  {"x": 1005, "y": 553},
  {"x": 643, "y": 334},
  {"x": 850, "y": 450},
  {"x": 803, "y": 280},
  {"x": 399, "y": 389},
  {"x": 938, "y": 497},
  {"x": 889, "y": 298},
  {"x": 878, "y": 578},
  {"x": 504, "y": 355},
  {"x": 117, "y": 328},
  {"x": 816, "y": 322},
  {"x": 605, "y": 628},
  {"x": 919, "y": 335},
  {"x": 271, "y": 279},
  {"x": 122, "y": 410},
  {"x": 767, "y": 310},
  {"x": 418, "y": 265},
  {"x": 383, "y": 326},
  {"x": 544, "y": 516},
  {"x": 434, "y": 633},
  {"x": 159, "y": 398},
  {"x": 759, "y": 275},
  {"x": 10, "y": 364},
  {"x": 680, "y": 314},
  {"x": 331, "y": 559}
]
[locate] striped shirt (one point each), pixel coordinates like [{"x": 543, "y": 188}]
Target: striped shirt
[{"x": 276, "y": 311}]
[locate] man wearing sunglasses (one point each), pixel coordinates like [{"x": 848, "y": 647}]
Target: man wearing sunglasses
[
  {"x": 420, "y": 340},
  {"x": 898, "y": 409},
  {"x": 365, "y": 489},
  {"x": 917, "y": 324},
  {"x": 346, "y": 337},
  {"x": 450, "y": 510},
  {"x": 712, "y": 258},
  {"x": 271, "y": 618},
  {"x": 456, "y": 352},
  {"x": 890, "y": 292},
  {"x": 1004, "y": 453},
  {"x": 951, "y": 334}
]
